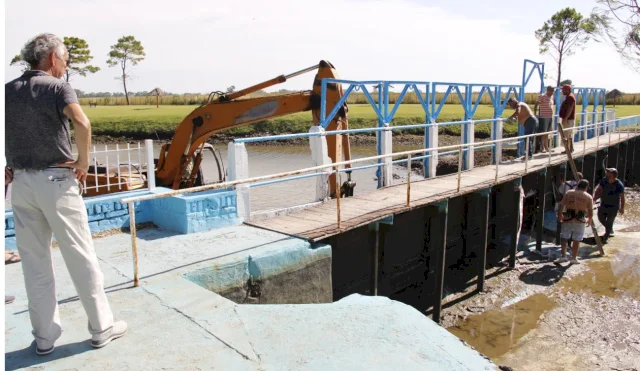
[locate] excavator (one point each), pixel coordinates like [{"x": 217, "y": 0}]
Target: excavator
[{"x": 179, "y": 162}]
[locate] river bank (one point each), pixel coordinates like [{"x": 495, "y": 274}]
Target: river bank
[{"x": 549, "y": 316}]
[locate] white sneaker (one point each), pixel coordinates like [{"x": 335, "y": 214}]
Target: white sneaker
[
  {"x": 562, "y": 260},
  {"x": 574, "y": 261},
  {"x": 118, "y": 330}
]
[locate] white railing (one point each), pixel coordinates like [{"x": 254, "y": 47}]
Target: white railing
[
  {"x": 119, "y": 160},
  {"x": 609, "y": 125}
]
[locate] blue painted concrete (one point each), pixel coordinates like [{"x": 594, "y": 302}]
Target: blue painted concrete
[
  {"x": 189, "y": 213},
  {"x": 273, "y": 258}
]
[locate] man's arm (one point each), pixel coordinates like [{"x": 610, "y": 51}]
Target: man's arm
[
  {"x": 82, "y": 128},
  {"x": 515, "y": 113},
  {"x": 570, "y": 110},
  {"x": 535, "y": 106},
  {"x": 563, "y": 202},
  {"x": 598, "y": 192},
  {"x": 590, "y": 212}
]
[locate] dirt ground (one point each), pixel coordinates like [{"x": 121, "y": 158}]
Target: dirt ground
[{"x": 550, "y": 316}]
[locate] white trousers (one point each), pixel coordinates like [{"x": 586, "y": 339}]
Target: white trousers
[{"x": 46, "y": 202}]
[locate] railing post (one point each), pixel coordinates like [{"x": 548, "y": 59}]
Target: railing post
[
  {"x": 134, "y": 245},
  {"x": 151, "y": 167},
  {"x": 556, "y": 136},
  {"x": 432, "y": 142},
  {"x": 238, "y": 168},
  {"x": 496, "y": 134},
  {"x": 387, "y": 149},
  {"x": 469, "y": 135},
  {"x": 320, "y": 156}
]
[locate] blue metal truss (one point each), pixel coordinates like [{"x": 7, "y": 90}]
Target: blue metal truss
[{"x": 499, "y": 94}]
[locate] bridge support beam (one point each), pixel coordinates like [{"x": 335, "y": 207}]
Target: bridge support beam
[
  {"x": 589, "y": 169},
  {"x": 622, "y": 161},
  {"x": 600, "y": 156},
  {"x": 542, "y": 191},
  {"x": 612, "y": 160},
  {"x": 517, "y": 203},
  {"x": 386, "y": 139},
  {"x": 635, "y": 159},
  {"x": 431, "y": 141},
  {"x": 238, "y": 168},
  {"x": 320, "y": 156},
  {"x": 438, "y": 214},
  {"x": 496, "y": 134},
  {"x": 483, "y": 197},
  {"x": 468, "y": 136}
]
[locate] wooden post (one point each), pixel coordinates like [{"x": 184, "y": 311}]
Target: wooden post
[
  {"x": 516, "y": 223},
  {"x": 542, "y": 189},
  {"x": 483, "y": 198},
  {"x": 438, "y": 243}
]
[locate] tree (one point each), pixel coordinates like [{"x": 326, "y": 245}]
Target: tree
[
  {"x": 17, "y": 60},
  {"x": 126, "y": 53},
  {"x": 565, "y": 82},
  {"x": 79, "y": 56},
  {"x": 625, "y": 13},
  {"x": 565, "y": 31}
]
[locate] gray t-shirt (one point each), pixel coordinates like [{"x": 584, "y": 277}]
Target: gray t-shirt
[{"x": 37, "y": 133}]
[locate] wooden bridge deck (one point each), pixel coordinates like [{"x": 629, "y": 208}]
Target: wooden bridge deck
[{"x": 319, "y": 222}]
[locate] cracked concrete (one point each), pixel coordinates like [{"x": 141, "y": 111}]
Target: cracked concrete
[{"x": 176, "y": 324}]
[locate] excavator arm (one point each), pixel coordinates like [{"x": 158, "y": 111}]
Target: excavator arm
[{"x": 178, "y": 164}]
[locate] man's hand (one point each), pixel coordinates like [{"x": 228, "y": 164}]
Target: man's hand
[
  {"x": 8, "y": 175},
  {"x": 81, "y": 168}
]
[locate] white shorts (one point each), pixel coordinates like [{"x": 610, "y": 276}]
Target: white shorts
[{"x": 573, "y": 231}]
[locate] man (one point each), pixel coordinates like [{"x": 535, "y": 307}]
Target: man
[
  {"x": 610, "y": 191},
  {"x": 525, "y": 118},
  {"x": 545, "y": 103},
  {"x": 567, "y": 117},
  {"x": 576, "y": 209},
  {"x": 46, "y": 193},
  {"x": 566, "y": 187}
]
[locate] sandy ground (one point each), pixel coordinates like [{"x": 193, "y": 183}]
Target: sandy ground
[{"x": 550, "y": 316}]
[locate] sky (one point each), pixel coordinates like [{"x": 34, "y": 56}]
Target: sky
[{"x": 202, "y": 46}]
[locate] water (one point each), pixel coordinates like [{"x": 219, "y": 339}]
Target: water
[{"x": 265, "y": 160}]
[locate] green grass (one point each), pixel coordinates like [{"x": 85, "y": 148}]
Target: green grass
[{"x": 150, "y": 122}]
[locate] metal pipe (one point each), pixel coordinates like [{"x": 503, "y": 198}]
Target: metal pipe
[
  {"x": 134, "y": 246},
  {"x": 302, "y": 71},
  {"x": 338, "y": 191},
  {"x": 497, "y": 167},
  {"x": 526, "y": 155},
  {"x": 459, "y": 166},
  {"x": 408, "y": 180}
]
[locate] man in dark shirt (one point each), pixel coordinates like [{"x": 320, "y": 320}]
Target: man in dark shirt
[
  {"x": 567, "y": 117},
  {"x": 45, "y": 195},
  {"x": 612, "y": 200}
]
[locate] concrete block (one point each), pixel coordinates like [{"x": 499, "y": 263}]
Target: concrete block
[
  {"x": 386, "y": 139},
  {"x": 114, "y": 214},
  {"x": 320, "y": 156},
  {"x": 97, "y": 208},
  {"x": 432, "y": 142},
  {"x": 96, "y": 217}
]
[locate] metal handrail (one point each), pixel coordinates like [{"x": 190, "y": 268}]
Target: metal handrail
[{"x": 459, "y": 147}]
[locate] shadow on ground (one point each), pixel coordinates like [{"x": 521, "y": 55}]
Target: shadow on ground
[{"x": 27, "y": 357}]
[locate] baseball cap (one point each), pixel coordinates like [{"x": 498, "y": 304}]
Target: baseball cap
[{"x": 612, "y": 170}]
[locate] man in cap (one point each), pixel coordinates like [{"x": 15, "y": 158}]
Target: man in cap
[
  {"x": 567, "y": 116},
  {"x": 545, "y": 103},
  {"x": 525, "y": 118},
  {"x": 610, "y": 191}
]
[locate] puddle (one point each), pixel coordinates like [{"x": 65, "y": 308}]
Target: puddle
[
  {"x": 495, "y": 332},
  {"x": 618, "y": 276}
]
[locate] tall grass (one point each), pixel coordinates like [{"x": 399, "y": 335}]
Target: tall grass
[{"x": 354, "y": 98}]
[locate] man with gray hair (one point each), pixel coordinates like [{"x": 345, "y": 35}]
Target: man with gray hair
[{"x": 46, "y": 193}]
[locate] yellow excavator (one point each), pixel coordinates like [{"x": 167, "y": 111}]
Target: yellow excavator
[{"x": 178, "y": 165}]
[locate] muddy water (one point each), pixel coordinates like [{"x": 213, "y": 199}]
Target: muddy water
[
  {"x": 615, "y": 277},
  {"x": 495, "y": 332}
]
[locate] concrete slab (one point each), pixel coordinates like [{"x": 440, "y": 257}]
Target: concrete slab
[{"x": 176, "y": 324}]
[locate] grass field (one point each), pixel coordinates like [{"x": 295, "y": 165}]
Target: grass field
[{"x": 142, "y": 122}]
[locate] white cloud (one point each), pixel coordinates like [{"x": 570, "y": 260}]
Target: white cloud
[{"x": 200, "y": 46}]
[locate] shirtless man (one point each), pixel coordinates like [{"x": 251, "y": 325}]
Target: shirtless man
[
  {"x": 575, "y": 212},
  {"x": 525, "y": 118}
]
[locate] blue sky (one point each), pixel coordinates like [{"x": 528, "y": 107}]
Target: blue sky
[{"x": 201, "y": 46}]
